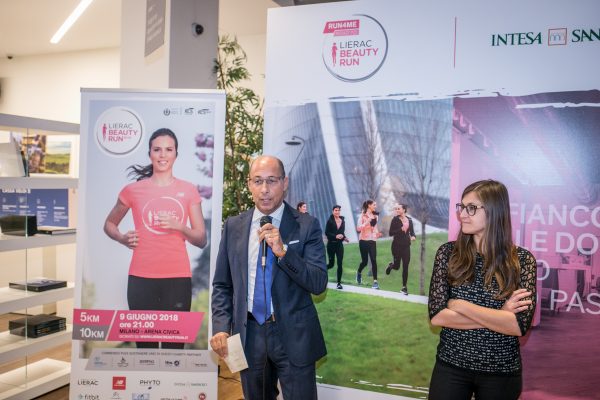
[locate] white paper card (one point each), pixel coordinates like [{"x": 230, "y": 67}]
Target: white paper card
[{"x": 236, "y": 359}]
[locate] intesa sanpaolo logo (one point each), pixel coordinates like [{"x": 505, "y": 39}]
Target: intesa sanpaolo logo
[
  {"x": 118, "y": 131},
  {"x": 354, "y": 49}
]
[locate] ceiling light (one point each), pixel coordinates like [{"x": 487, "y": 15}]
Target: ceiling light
[{"x": 70, "y": 21}]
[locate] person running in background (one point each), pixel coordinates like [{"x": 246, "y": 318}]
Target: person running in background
[
  {"x": 334, "y": 230},
  {"x": 402, "y": 230},
  {"x": 369, "y": 233}
]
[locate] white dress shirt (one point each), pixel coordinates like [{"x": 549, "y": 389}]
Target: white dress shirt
[{"x": 253, "y": 248}]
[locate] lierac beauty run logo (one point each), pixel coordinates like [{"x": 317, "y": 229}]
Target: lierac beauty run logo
[
  {"x": 354, "y": 49},
  {"x": 162, "y": 206},
  {"x": 118, "y": 131}
]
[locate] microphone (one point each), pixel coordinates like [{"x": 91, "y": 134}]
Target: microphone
[{"x": 265, "y": 219}]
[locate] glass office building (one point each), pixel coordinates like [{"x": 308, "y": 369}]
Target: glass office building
[
  {"x": 346, "y": 152},
  {"x": 302, "y": 150}
]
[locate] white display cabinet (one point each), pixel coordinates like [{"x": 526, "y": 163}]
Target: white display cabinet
[{"x": 27, "y": 366}]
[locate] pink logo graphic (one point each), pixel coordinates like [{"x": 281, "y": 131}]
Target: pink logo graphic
[
  {"x": 118, "y": 131},
  {"x": 334, "y": 53},
  {"x": 343, "y": 28},
  {"x": 354, "y": 49},
  {"x": 162, "y": 206}
]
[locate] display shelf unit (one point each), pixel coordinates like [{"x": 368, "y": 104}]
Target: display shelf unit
[
  {"x": 14, "y": 346},
  {"x": 15, "y": 299},
  {"x": 38, "y": 182},
  {"x": 39, "y": 377},
  {"x": 11, "y": 243},
  {"x": 33, "y": 378}
]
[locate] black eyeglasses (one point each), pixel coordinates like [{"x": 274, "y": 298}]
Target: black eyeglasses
[
  {"x": 270, "y": 181},
  {"x": 471, "y": 208}
]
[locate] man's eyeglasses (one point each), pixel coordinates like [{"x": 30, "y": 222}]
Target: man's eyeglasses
[
  {"x": 270, "y": 181},
  {"x": 471, "y": 208}
]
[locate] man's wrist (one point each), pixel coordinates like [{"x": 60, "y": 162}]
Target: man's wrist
[{"x": 283, "y": 252}]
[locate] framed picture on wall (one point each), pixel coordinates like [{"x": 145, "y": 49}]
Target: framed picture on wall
[{"x": 51, "y": 154}]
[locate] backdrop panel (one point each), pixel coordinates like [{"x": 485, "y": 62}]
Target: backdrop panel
[
  {"x": 405, "y": 101},
  {"x": 115, "y": 129}
]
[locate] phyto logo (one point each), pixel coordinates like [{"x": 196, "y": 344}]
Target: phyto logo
[
  {"x": 354, "y": 49},
  {"x": 118, "y": 131}
]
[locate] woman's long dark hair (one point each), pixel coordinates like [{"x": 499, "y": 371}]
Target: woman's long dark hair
[
  {"x": 366, "y": 204},
  {"x": 500, "y": 260},
  {"x": 139, "y": 172}
]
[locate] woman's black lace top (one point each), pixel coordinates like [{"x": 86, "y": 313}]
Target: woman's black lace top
[{"x": 481, "y": 350}]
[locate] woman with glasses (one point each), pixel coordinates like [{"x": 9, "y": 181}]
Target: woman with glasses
[
  {"x": 403, "y": 232},
  {"x": 160, "y": 276},
  {"x": 483, "y": 296},
  {"x": 369, "y": 233}
]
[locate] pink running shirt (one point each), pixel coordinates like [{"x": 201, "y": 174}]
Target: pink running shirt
[{"x": 160, "y": 253}]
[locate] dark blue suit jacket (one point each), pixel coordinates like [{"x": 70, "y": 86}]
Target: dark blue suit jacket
[{"x": 299, "y": 273}]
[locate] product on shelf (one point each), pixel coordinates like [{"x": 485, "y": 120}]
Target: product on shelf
[
  {"x": 35, "y": 326},
  {"x": 37, "y": 284},
  {"x": 54, "y": 230},
  {"x": 19, "y": 225}
]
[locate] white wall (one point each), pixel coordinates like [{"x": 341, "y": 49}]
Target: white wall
[
  {"x": 255, "y": 48},
  {"x": 48, "y": 86},
  {"x": 185, "y": 60},
  {"x": 135, "y": 69}
]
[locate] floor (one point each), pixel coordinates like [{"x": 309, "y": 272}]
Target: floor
[{"x": 560, "y": 356}]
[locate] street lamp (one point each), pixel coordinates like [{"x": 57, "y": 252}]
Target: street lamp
[{"x": 294, "y": 141}]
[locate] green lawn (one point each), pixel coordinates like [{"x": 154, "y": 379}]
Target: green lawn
[
  {"x": 200, "y": 304},
  {"x": 392, "y": 282},
  {"x": 375, "y": 343}
]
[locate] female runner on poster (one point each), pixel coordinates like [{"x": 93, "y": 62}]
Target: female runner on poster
[{"x": 159, "y": 272}]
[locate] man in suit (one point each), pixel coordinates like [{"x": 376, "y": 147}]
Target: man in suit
[{"x": 285, "y": 342}]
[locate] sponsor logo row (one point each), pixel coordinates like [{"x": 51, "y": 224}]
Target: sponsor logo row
[
  {"x": 140, "y": 396},
  {"x": 554, "y": 37},
  {"x": 185, "y": 111},
  {"x": 355, "y": 48},
  {"x": 119, "y": 384},
  {"x": 119, "y": 130},
  {"x": 144, "y": 363}
]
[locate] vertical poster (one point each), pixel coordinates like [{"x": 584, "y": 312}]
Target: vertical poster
[
  {"x": 405, "y": 102},
  {"x": 141, "y": 317}
]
